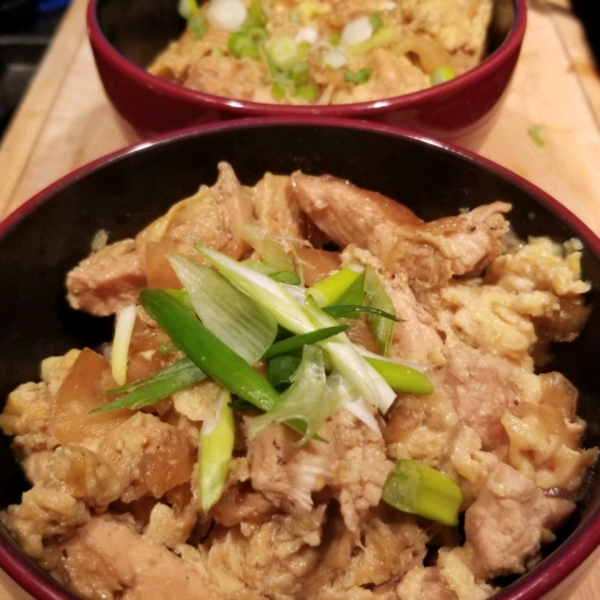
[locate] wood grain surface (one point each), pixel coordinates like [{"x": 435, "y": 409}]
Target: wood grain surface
[{"x": 65, "y": 121}]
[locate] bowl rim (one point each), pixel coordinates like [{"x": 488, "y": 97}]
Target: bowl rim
[
  {"x": 575, "y": 549},
  {"x": 241, "y": 108}
]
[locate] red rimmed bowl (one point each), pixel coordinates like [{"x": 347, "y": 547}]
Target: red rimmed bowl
[
  {"x": 123, "y": 192},
  {"x": 125, "y": 37}
]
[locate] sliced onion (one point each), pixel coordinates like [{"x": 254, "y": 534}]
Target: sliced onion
[
  {"x": 228, "y": 15},
  {"x": 430, "y": 52},
  {"x": 357, "y": 31}
]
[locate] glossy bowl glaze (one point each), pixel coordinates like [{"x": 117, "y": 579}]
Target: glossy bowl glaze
[
  {"x": 125, "y": 37},
  {"x": 125, "y": 191}
]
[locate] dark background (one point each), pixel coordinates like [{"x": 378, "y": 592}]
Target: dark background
[{"x": 588, "y": 13}]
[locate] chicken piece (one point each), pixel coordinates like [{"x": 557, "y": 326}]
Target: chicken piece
[
  {"x": 509, "y": 520},
  {"x": 276, "y": 207},
  {"x": 429, "y": 255},
  {"x": 352, "y": 465},
  {"x": 272, "y": 559},
  {"x": 113, "y": 276},
  {"x": 286, "y": 474},
  {"x": 482, "y": 388},
  {"x": 348, "y": 214},
  {"x": 43, "y": 514},
  {"x": 108, "y": 279},
  {"x": 222, "y": 76},
  {"x": 455, "y": 565},
  {"x": 424, "y": 583},
  {"x": 107, "y": 559},
  {"x": 361, "y": 465},
  {"x": 73, "y": 480},
  {"x": 415, "y": 338}
]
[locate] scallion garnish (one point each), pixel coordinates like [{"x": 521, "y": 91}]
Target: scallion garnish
[
  {"x": 361, "y": 76},
  {"x": 206, "y": 350},
  {"x": 376, "y": 22},
  {"x": 329, "y": 290},
  {"x": 120, "y": 347},
  {"x": 215, "y": 451},
  {"x": 153, "y": 389},
  {"x": 418, "y": 489},
  {"x": 187, "y": 8},
  {"x": 233, "y": 317},
  {"x": 297, "y": 342},
  {"x": 197, "y": 25},
  {"x": 382, "y": 327},
  {"x": 285, "y": 52},
  {"x": 305, "y": 400},
  {"x": 442, "y": 74}
]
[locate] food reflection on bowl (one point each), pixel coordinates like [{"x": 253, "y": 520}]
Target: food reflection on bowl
[
  {"x": 126, "y": 40},
  {"x": 122, "y": 194}
]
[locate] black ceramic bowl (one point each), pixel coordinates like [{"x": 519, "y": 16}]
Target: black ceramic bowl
[{"x": 125, "y": 191}]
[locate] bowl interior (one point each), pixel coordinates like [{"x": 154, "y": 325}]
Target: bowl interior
[
  {"x": 124, "y": 193},
  {"x": 140, "y": 29}
]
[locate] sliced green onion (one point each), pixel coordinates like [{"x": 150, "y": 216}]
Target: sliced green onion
[
  {"x": 334, "y": 40},
  {"x": 299, "y": 73},
  {"x": 228, "y": 15},
  {"x": 155, "y": 388},
  {"x": 353, "y": 311},
  {"x": 535, "y": 133},
  {"x": 306, "y": 11},
  {"x": 256, "y": 16},
  {"x": 270, "y": 294},
  {"x": 285, "y": 52},
  {"x": 274, "y": 274},
  {"x": 187, "y": 8},
  {"x": 122, "y": 339},
  {"x": 401, "y": 377},
  {"x": 278, "y": 91},
  {"x": 382, "y": 327},
  {"x": 240, "y": 45},
  {"x": 376, "y": 21},
  {"x": 382, "y": 37},
  {"x": 344, "y": 356},
  {"x": 197, "y": 25},
  {"x": 417, "y": 489},
  {"x": 268, "y": 247},
  {"x": 232, "y": 316},
  {"x": 296, "y": 318},
  {"x": 215, "y": 452},
  {"x": 355, "y": 293},
  {"x": 281, "y": 369},
  {"x": 206, "y": 350},
  {"x": 297, "y": 342},
  {"x": 304, "y": 400},
  {"x": 442, "y": 74},
  {"x": 329, "y": 290},
  {"x": 361, "y": 76},
  {"x": 306, "y": 93},
  {"x": 256, "y": 33},
  {"x": 356, "y": 31},
  {"x": 335, "y": 58}
]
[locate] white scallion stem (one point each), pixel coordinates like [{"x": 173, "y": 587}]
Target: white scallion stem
[{"x": 121, "y": 341}]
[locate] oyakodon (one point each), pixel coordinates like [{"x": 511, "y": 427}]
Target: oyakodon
[
  {"x": 478, "y": 310},
  {"x": 324, "y": 51}
]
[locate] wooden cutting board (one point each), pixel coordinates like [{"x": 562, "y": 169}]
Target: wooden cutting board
[{"x": 548, "y": 132}]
